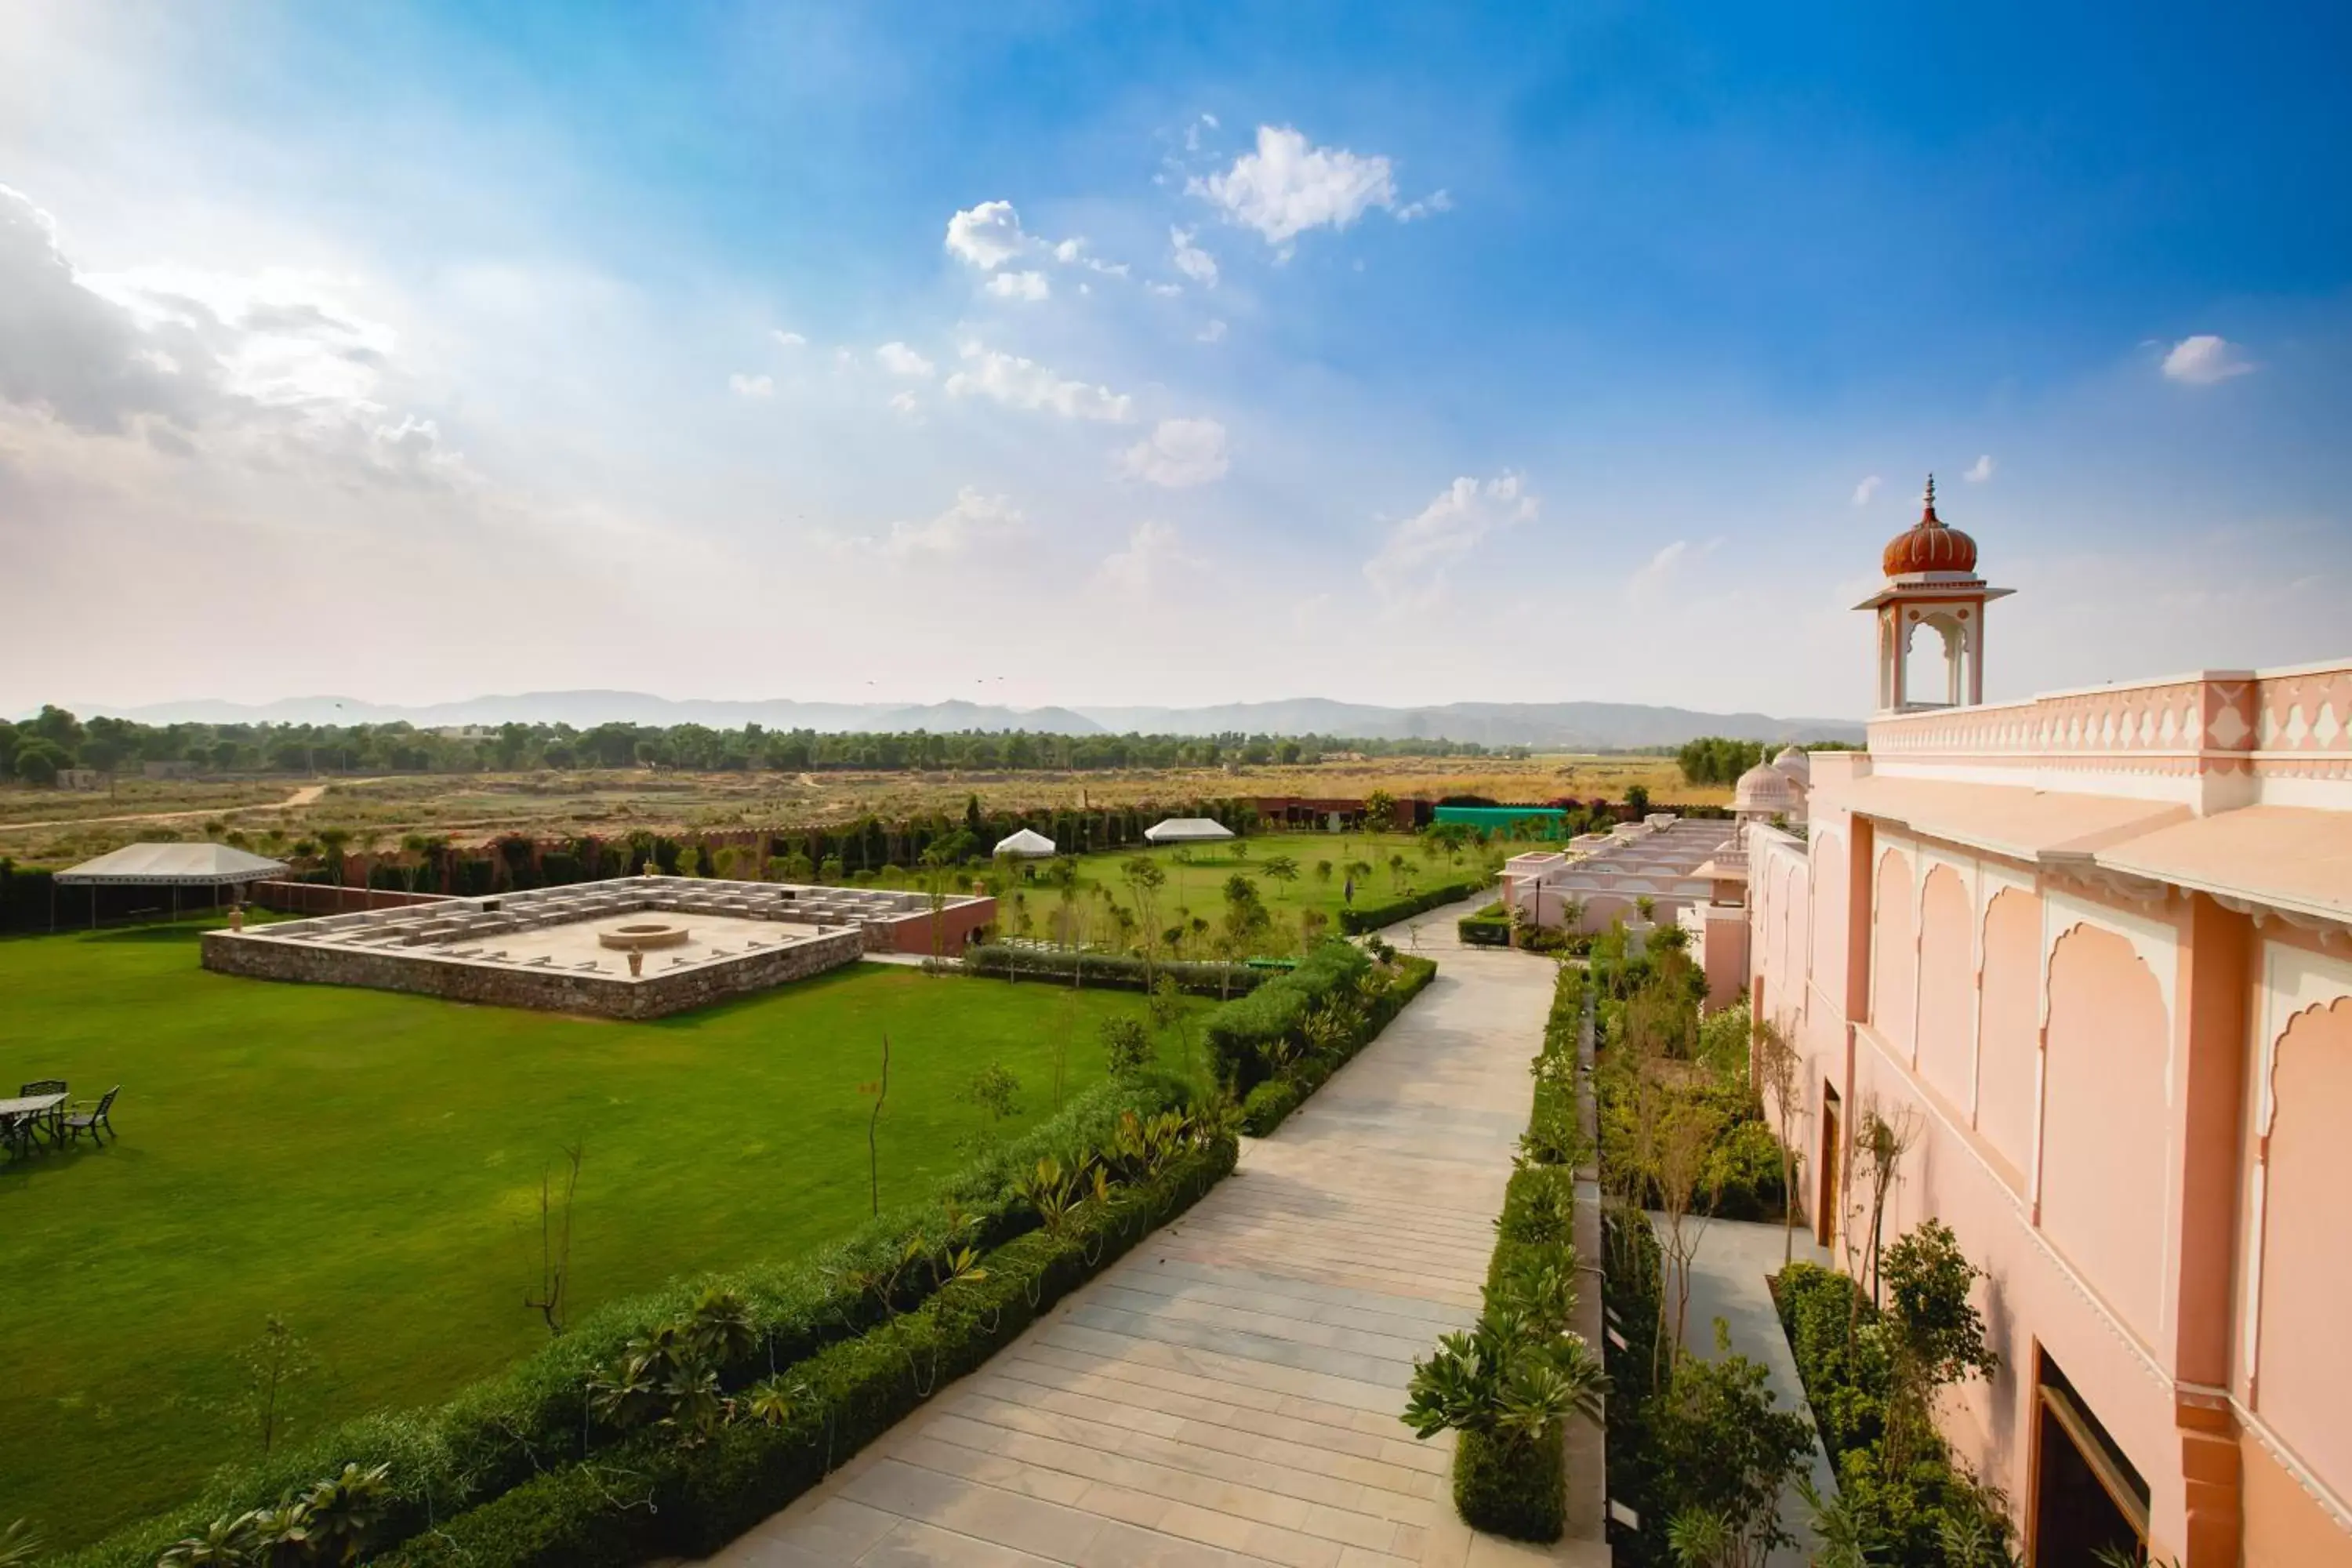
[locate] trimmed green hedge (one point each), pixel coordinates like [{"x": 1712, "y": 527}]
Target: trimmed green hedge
[
  {"x": 1490, "y": 927},
  {"x": 1360, "y": 918},
  {"x": 1242, "y": 1036},
  {"x": 1843, "y": 1362},
  {"x": 1269, "y": 1103},
  {"x": 1273, "y": 1101},
  {"x": 25, "y": 894},
  {"x": 1118, "y": 971},
  {"x": 651, "y": 1496},
  {"x": 507, "y": 1430},
  {"x": 1518, "y": 1487}
]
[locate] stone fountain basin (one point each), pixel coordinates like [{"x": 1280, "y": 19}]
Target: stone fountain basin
[{"x": 643, "y": 936}]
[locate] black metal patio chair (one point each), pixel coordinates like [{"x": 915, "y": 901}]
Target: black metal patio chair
[{"x": 91, "y": 1121}]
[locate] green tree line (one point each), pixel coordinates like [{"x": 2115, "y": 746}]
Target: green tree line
[
  {"x": 1719, "y": 759},
  {"x": 35, "y": 748}
]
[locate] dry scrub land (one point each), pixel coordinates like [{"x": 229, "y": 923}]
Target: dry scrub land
[{"x": 475, "y": 807}]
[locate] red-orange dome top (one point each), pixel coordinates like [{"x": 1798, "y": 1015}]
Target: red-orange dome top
[{"x": 1927, "y": 545}]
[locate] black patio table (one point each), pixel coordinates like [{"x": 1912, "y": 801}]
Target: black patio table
[{"x": 21, "y": 1118}]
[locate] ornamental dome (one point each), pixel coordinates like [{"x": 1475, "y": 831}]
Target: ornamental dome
[
  {"x": 1927, "y": 545},
  {"x": 1797, "y": 762},
  {"x": 1765, "y": 791}
]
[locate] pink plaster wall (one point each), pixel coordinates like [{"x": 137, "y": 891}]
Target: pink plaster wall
[
  {"x": 2090, "y": 1279},
  {"x": 2304, "y": 1367},
  {"x": 2105, "y": 1125},
  {"x": 2010, "y": 1032},
  {"x": 1894, "y": 953},
  {"x": 1829, "y": 917},
  {"x": 1947, "y": 987}
]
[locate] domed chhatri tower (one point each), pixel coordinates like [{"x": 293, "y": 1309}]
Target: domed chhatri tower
[
  {"x": 1774, "y": 789},
  {"x": 1931, "y": 581}
]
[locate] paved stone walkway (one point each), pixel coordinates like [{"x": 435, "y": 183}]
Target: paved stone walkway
[
  {"x": 1727, "y": 1281},
  {"x": 1228, "y": 1392}
]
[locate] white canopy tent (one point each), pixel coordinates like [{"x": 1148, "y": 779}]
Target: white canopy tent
[
  {"x": 1187, "y": 830},
  {"x": 1026, "y": 845},
  {"x": 172, "y": 866}
]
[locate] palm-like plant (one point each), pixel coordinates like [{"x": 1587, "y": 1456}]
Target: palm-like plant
[
  {"x": 1701, "y": 1538},
  {"x": 344, "y": 1509},
  {"x": 1506, "y": 1377},
  {"x": 1844, "y": 1538},
  {"x": 20, "y": 1543},
  {"x": 229, "y": 1542},
  {"x": 772, "y": 1402}
]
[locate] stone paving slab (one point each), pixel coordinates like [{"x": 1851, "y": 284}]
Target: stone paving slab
[
  {"x": 1730, "y": 1270},
  {"x": 1227, "y": 1395}
]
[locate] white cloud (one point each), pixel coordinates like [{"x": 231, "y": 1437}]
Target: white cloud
[
  {"x": 1411, "y": 562},
  {"x": 1863, "y": 491},
  {"x": 1981, "y": 471},
  {"x": 1646, "y": 585},
  {"x": 1214, "y": 333},
  {"x": 900, "y": 360},
  {"x": 1179, "y": 454},
  {"x": 974, "y": 522},
  {"x": 270, "y": 372},
  {"x": 906, "y": 403},
  {"x": 743, "y": 385},
  {"x": 987, "y": 236},
  {"x": 1152, "y": 552},
  {"x": 788, "y": 340},
  {"x": 1660, "y": 569},
  {"x": 1287, "y": 187},
  {"x": 2202, "y": 360},
  {"x": 1165, "y": 290},
  {"x": 1020, "y": 383},
  {"x": 1429, "y": 205},
  {"x": 1029, "y": 285},
  {"x": 1192, "y": 260},
  {"x": 1072, "y": 253}
]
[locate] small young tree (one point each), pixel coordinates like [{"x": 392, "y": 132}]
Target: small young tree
[
  {"x": 274, "y": 1364},
  {"x": 1777, "y": 1077},
  {"x": 1127, "y": 1045},
  {"x": 333, "y": 840},
  {"x": 1144, "y": 879},
  {"x": 1687, "y": 1127},
  {"x": 1937, "y": 1338},
  {"x": 1379, "y": 811},
  {"x": 995, "y": 1092},
  {"x": 555, "y": 1241},
  {"x": 881, "y": 1091},
  {"x": 1880, "y": 1142},
  {"x": 1727, "y": 1450}
]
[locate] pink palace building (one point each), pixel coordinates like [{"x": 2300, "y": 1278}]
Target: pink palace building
[{"x": 2096, "y": 947}]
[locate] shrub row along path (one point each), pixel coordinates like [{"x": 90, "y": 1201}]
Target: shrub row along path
[
  {"x": 1228, "y": 1393},
  {"x": 1727, "y": 1281}
]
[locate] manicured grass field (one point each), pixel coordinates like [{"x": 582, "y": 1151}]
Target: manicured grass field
[
  {"x": 367, "y": 1167},
  {"x": 1197, "y": 882}
]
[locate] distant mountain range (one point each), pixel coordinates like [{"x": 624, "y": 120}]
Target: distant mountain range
[{"x": 1573, "y": 726}]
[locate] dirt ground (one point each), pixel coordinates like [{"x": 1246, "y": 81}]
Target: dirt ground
[{"x": 45, "y": 826}]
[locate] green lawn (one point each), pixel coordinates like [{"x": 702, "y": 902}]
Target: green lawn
[
  {"x": 1197, "y": 881},
  {"x": 367, "y": 1167}
]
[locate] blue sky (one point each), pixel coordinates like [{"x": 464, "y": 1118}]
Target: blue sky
[{"x": 1161, "y": 354}]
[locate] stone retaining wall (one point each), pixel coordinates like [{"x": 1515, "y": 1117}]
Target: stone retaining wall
[{"x": 515, "y": 985}]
